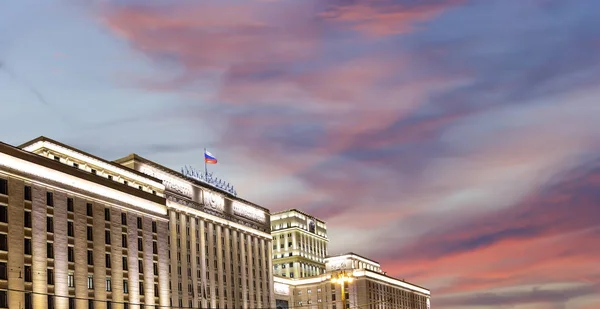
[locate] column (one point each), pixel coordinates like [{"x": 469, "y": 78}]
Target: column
[
  {"x": 39, "y": 240},
  {"x": 148, "y": 261},
  {"x": 16, "y": 299},
  {"x": 116, "y": 256},
  {"x": 99, "y": 224},
  {"x": 61, "y": 266},
  {"x": 132, "y": 260},
  {"x": 245, "y": 266},
  {"x": 163, "y": 263},
  {"x": 173, "y": 233},
  {"x": 220, "y": 270},
  {"x": 193, "y": 261},
  {"x": 203, "y": 265},
  {"x": 80, "y": 249},
  {"x": 211, "y": 264},
  {"x": 184, "y": 263}
]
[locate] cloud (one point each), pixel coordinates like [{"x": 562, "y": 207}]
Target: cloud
[
  {"x": 385, "y": 18},
  {"x": 440, "y": 128}
]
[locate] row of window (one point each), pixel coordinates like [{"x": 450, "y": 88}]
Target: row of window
[{"x": 51, "y": 299}]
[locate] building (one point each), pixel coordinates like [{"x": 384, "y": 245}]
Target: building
[
  {"x": 350, "y": 281},
  {"x": 220, "y": 245},
  {"x": 299, "y": 244},
  {"x": 78, "y": 231}
]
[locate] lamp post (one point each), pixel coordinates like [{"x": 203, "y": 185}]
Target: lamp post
[{"x": 341, "y": 279}]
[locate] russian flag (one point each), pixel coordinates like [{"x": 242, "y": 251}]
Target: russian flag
[{"x": 209, "y": 158}]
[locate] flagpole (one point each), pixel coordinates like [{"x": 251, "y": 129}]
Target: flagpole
[{"x": 205, "y": 169}]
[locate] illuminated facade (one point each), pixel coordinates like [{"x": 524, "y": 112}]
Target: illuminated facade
[
  {"x": 365, "y": 286},
  {"x": 76, "y": 230},
  {"x": 299, "y": 244},
  {"x": 220, "y": 245},
  {"x": 79, "y": 232}
]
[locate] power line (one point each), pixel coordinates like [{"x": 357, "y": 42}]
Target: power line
[{"x": 178, "y": 307}]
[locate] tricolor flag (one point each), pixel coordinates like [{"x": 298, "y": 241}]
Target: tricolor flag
[{"x": 209, "y": 158}]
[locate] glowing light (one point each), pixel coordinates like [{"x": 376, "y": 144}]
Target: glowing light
[
  {"x": 84, "y": 185},
  {"x": 81, "y": 157},
  {"x": 392, "y": 281},
  {"x": 172, "y": 183},
  {"x": 281, "y": 288},
  {"x": 249, "y": 212},
  {"x": 335, "y": 259}
]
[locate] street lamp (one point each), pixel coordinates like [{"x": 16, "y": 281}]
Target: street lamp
[{"x": 341, "y": 279}]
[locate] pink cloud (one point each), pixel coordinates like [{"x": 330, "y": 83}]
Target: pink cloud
[{"x": 384, "y": 18}]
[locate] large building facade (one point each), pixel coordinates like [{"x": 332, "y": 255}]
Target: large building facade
[
  {"x": 353, "y": 282},
  {"x": 79, "y": 232},
  {"x": 299, "y": 244},
  {"x": 220, "y": 245}
]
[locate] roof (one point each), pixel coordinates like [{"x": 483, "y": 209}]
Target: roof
[
  {"x": 136, "y": 157},
  {"x": 46, "y": 139},
  {"x": 352, "y": 253},
  {"x": 298, "y": 211},
  {"x": 19, "y": 153}
]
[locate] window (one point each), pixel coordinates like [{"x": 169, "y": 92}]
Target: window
[
  {"x": 27, "y": 245},
  {"x": 107, "y": 237},
  {"x": 155, "y": 247},
  {"x": 27, "y": 193},
  {"x": 3, "y": 271},
  {"x": 71, "y": 303},
  {"x": 71, "y": 254},
  {"x": 3, "y": 213},
  {"x": 125, "y": 267},
  {"x": 108, "y": 284},
  {"x": 94, "y": 171},
  {"x": 50, "y": 250},
  {"x": 155, "y": 267},
  {"x": 124, "y": 219},
  {"x": 90, "y": 233},
  {"x": 107, "y": 260},
  {"x": 51, "y": 302},
  {"x": 70, "y": 280},
  {"x": 139, "y": 222},
  {"x": 70, "y": 204},
  {"x": 124, "y": 241},
  {"x": 141, "y": 287},
  {"x": 49, "y": 199},
  {"x": 28, "y": 303},
  {"x": 3, "y": 242},
  {"x": 90, "y": 282},
  {"x": 107, "y": 214},
  {"x": 27, "y": 273},
  {"x": 141, "y": 266},
  {"x": 50, "y": 224},
  {"x": 90, "y": 304},
  {"x": 56, "y": 158},
  {"x": 90, "y": 257},
  {"x": 90, "y": 209},
  {"x": 154, "y": 228},
  {"x": 140, "y": 244},
  {"x": 3, "y": 299},
  {"x": 3, "y": 186},
  {"x": 50, "y": 276},
  {"x": 70, "y": 229},
  {"x": 75, "y": 165},
  {"x": 125, "y": 287},
  {"x": 27, "y": 219}
]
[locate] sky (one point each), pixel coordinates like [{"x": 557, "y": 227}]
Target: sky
[{"x": 456, "y": 142}]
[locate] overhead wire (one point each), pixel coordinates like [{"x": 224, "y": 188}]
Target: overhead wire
[{"x": 156, "y": 306}]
